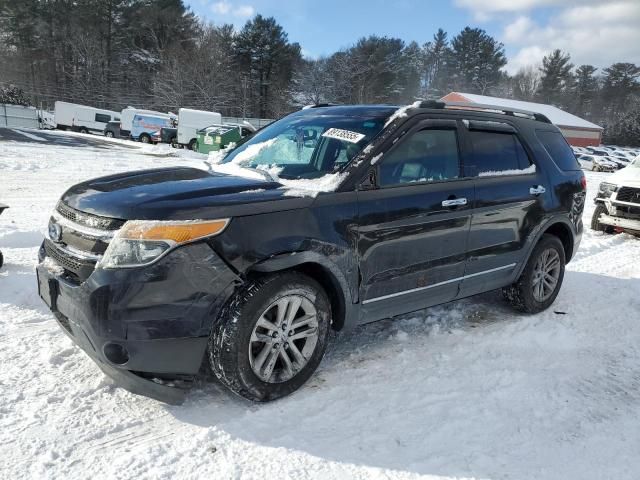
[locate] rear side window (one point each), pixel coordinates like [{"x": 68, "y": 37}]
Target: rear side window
[
  {"x": 559, "y": 150},
  {"x": 101, "y": 117},
  {"x": 497, "y": 152}
]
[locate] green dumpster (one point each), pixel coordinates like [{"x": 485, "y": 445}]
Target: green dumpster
[{"x": 215, "y": 137}]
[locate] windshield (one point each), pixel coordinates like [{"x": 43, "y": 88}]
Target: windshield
[{"x": 310, "y": 144}]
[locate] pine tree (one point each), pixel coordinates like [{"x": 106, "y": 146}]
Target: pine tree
[
  {"x": 437, "y": 56},
  {"x": 556, "y": 78},
  {"x": 476, "y": 60},
  {"x": 264, "y": 52},
  {"x": 585, "y": 91}
]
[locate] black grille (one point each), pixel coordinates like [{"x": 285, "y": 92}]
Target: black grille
[
  {"x": 628, "y": 194},
  {"x": 80, "y": 268},
  {"x": 88, "y": 219}
]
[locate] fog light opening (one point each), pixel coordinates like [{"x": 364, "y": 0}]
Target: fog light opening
[{"x": 116, "y": 353}]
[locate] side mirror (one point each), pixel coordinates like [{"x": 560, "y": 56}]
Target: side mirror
[{"x": 370, "y": 180}]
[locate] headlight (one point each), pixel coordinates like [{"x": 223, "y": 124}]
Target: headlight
[
  {"x": 606, "y": 189},
  {"x": 140, "y": 242}
]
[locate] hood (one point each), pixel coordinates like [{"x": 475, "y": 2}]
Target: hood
[
  {"x": 628, "y": 176},
  {"x": 179, "y": 194}
]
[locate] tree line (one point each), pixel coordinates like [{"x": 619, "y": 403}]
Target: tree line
[{"x": 157, "y": 54}]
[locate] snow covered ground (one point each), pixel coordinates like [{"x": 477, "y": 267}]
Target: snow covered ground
[{"x": 466, "y": 390}]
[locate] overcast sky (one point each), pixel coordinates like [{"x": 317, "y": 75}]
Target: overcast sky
[{"x": 594, "y": 32}]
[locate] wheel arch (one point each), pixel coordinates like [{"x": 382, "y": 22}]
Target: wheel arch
[
  {"x": 559, "y": 227},
  {"x": 321, "y": 270}
]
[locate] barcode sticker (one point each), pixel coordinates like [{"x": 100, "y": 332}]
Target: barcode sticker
[{"x": 346, "y": 135}]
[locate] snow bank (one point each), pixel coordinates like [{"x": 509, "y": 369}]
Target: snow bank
[{"x": 466, "y": 390}]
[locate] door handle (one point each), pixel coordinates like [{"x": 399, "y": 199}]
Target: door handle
[
  {"x": 537, "y": 190},
  {"x": 454, "y": 202}
]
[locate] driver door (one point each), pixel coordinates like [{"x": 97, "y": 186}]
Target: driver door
[{"x": 414, "y": 223}]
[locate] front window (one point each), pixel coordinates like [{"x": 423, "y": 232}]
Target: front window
[{"x": 310, "y": 143}]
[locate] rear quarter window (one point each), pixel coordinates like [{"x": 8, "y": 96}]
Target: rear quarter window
[{"x": 558, "y": 149}]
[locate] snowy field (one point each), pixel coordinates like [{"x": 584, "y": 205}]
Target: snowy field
[{"x": 468, "y": 390}]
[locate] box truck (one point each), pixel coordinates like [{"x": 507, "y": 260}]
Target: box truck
[
  {"x": 190, "y": 121},
  {"x": 81, "y": 118},
  {"x": 127, "y": 114},
  {"x": 146, "y": 127}
]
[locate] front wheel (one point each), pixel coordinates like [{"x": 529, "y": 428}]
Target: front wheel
[
  {"x": 541, "y": 279},
  {"x": 144, "y": 138},
  {"x": 108, "y": 134},
  {"x": 595, "y": 220},
  {"x": 271, "y": 336},
  {"x": 193, "y": 145}
]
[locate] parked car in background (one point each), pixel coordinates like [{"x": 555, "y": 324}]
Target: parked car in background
[
  {"x": 217, "y": 137},
  {"x": 112, "y": 130},
  {"x": 619, "y": 161},
  {"x": 161, "y": 270},
  {"x": 83, "y": 119},
  {"x": 190, "y": 121},
  {"x": 127, "y": 115},
  {"x": 144, "y": 126},
  {"x": 168, "y": 135},
  {"x": 618, "y": 202},
  {"x": 595, "y": 163}
]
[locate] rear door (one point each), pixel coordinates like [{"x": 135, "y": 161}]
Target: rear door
[
  {"x": 413, "y": 223},
  {"x": 511, "y": 192}
]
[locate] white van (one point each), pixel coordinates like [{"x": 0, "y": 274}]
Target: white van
[
  {"x": 83, "y": 119},
  {"x": 190, "y": 121},
  {"x": 126, "y": 118}
]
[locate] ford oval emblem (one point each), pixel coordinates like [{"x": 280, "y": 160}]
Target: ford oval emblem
[{"x": 55, "y": 232}]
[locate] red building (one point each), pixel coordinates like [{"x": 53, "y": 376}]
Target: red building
[{"x": 577, "y": 131}]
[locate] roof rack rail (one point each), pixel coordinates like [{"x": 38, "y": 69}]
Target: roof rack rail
[
  {"x": 318, "y": 105},
  {"x": 495, "y": 108}
]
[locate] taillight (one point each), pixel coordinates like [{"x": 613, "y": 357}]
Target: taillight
[{"x": 583, "y": 182}]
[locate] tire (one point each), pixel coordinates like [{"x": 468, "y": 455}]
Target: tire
[
  {"x": 144, "y": 138},
  {"x": 595, "y": 220},
  {"x": 84, "y": 130},
  {"x": 232, "y": 340},
  {"x": 108, "y": 134},
  {"x": 1, "y": 259},
  {"x": 193, "y": 145},
  {"x": 521, "y": 294},
  {"x": 174, "y": 142}
]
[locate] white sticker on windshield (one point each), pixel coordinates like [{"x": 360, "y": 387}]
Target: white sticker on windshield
[{"x": 346, "y": 135}]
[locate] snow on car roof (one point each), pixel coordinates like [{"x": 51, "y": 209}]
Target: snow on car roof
[{"x": 557, "y": 116}]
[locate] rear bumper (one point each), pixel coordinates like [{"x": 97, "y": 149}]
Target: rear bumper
[{"x": 146, "y": 328}]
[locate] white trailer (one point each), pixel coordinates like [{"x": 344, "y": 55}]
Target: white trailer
[
  {"x": 80, "y": 118},
  {"x": 127, "y": 114},
  {"x": 190, "y": 121}
]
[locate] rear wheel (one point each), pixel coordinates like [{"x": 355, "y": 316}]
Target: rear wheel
[
  {"x": 84, "y": 130},
  {"x": 541, "y": 279},
  {"x": 271, "y": 336},
  {"x": 595, "y": 220},
  {"x": 108, "y": 134},
  {"x": 1, "y": 259}
]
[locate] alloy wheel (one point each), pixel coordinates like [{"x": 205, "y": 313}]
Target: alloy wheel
[
  {"x": 546, "y": 274},
  {"x": 284, "y": 338}
]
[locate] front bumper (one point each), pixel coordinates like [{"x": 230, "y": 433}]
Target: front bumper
[
  {"x": 623, "y": 223},
  {"x": 156, "y": 318}
]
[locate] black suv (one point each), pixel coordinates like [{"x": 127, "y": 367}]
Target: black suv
[{"x": 331, "y": 217}]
